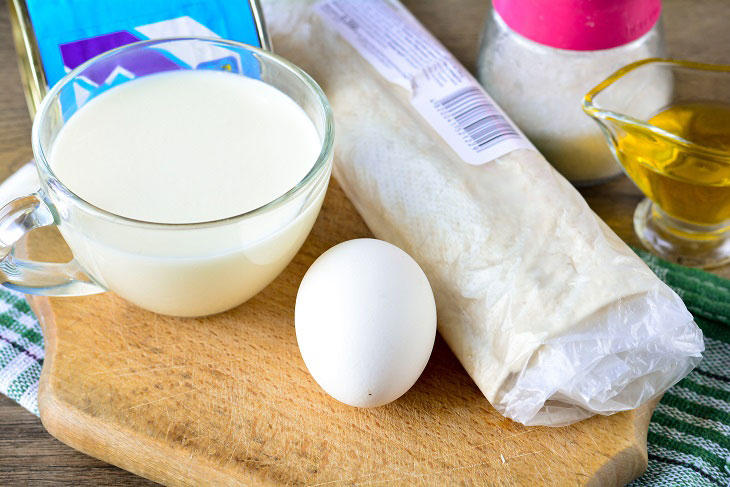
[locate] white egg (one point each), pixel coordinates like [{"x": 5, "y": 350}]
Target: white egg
[{"x": 365, "y": 321}]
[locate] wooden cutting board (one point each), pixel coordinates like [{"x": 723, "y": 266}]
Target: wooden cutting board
[{"x": 227, "y": 400}]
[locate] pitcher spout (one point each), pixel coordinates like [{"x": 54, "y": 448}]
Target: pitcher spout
[{"x": 667, "y": 124}]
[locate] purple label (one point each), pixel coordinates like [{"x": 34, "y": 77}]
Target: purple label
[{"x": 138, "y": 64}]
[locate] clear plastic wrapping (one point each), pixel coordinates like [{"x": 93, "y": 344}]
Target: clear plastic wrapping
[{"x": 550, "y": 313}]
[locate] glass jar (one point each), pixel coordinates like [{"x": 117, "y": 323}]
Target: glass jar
[{"x": 538, "y": 58}]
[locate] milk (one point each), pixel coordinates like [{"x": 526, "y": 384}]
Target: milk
[
  {"x": 188, "y": 147},
  {"x": 184, "y": 147}
]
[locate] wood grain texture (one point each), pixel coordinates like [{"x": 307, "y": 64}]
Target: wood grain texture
[{"x": 29, "y": 456}]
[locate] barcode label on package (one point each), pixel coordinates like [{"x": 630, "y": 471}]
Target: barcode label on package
[{"x": 441, "y": 89}]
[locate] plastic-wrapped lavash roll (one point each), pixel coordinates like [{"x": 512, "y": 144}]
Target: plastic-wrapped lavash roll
[{"x": 551, "y": 314}]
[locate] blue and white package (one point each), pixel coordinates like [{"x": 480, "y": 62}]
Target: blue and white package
[{"x": 69, "y": 32}]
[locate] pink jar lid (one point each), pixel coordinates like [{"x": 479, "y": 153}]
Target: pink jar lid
[{"x": 580, "y": 25}]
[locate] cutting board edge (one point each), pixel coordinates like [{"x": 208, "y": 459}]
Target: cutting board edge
[
  {"x": 614, "y": 471},
  {"x": 87, "y": 434}
]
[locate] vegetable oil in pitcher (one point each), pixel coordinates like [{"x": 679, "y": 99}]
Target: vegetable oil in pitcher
[
  {"x": 676, "y": 151},
  {"x": 690, "y": 188}
]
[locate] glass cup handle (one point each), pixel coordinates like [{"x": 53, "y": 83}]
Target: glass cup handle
[{"x": 17, "y": 218}]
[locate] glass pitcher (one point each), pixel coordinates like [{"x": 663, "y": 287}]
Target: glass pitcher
[{"x": 667, "y": 123}]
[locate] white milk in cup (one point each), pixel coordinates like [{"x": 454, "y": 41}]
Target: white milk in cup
[{"x": 185, "y": 191}]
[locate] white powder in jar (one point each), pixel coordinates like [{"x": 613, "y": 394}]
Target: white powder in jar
[{"x": 541, "y": 88}]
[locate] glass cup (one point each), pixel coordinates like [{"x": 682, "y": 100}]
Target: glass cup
[
  {"x": 175, "y": 269},
  {"x": 685, "y": 217}
]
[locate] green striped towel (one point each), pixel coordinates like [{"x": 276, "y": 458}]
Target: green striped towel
[
  {"x": 689, "y": 434},
  {"x": 21, "y": 350}
]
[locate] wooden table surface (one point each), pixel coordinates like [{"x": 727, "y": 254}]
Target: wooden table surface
[{"x": 696, "y": 29}]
